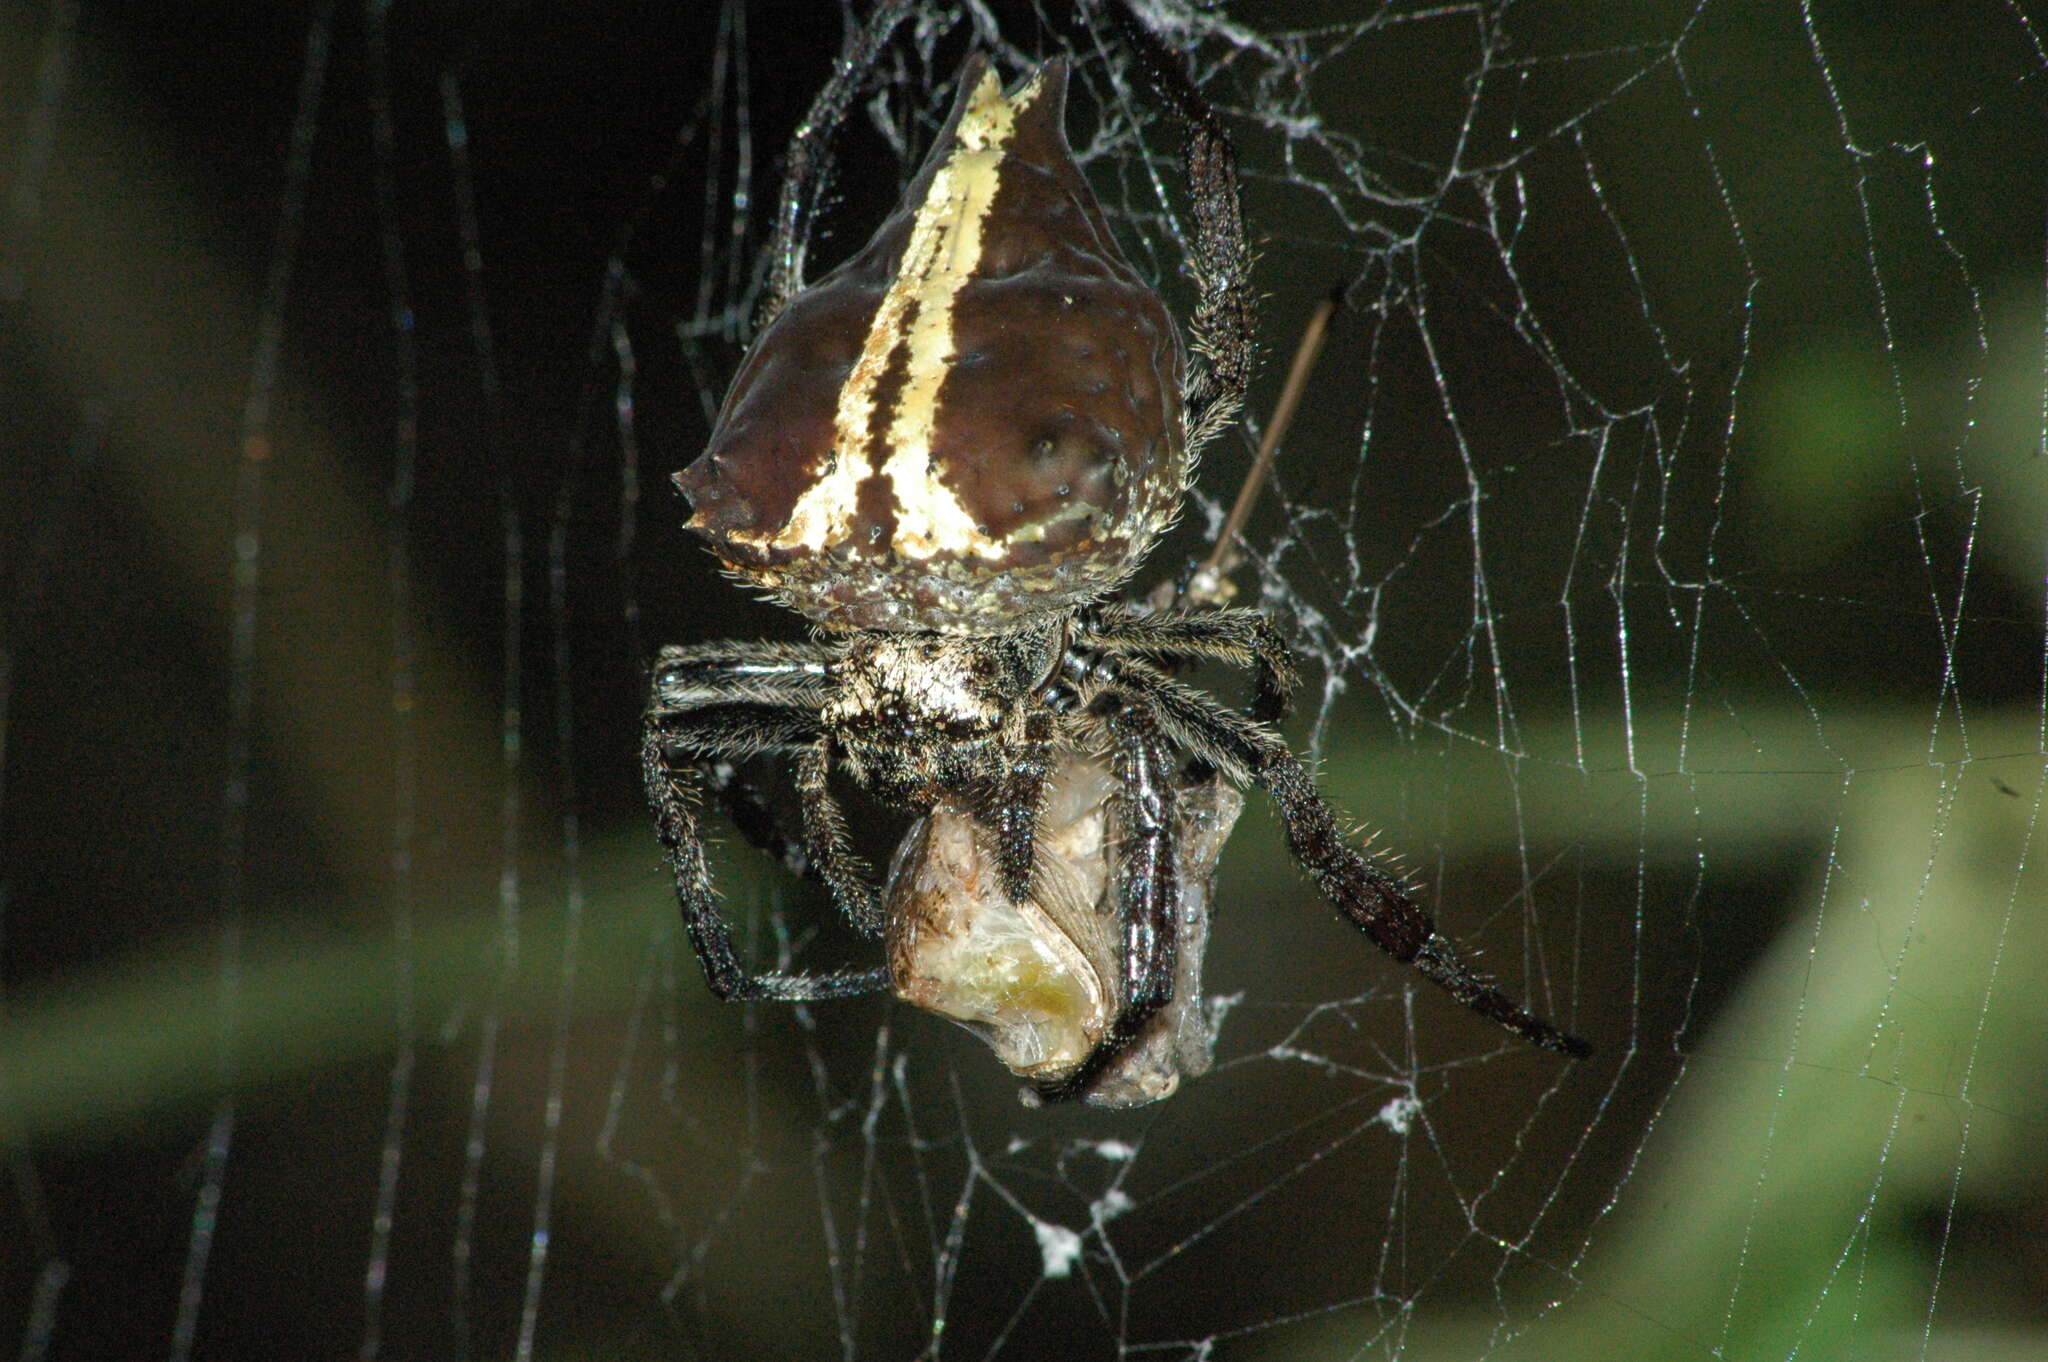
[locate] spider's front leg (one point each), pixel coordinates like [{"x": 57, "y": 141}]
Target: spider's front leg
[
  {"x": 1375, "y": 902},
  {"x": 721, "y": 704},
  {"x": 1012, "y": 803},
  {"x": 1148, "y": 883},
  {"x": 1235, "y": 636},
  {"x": 848, "y": 876},
  {"x": 706, "y": 676}
]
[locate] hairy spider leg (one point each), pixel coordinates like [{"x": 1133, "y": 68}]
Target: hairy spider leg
[
  {"x": 1237, "y": 637},
  {"x": 851, "y": 881},
  {"x": 1011, "y": 806},
  {"x": 1147, "y": 881},
  {"x": 722, "y": 703},
  {"x": 668, "y": 791},
  {"x": 807, "y": 174},
  {"x": 1225, "y": 320},
  {"x": 1375, "y": 901},
  {"x": 680, "y": 670}
]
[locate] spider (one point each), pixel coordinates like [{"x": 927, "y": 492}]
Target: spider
[{"x": 950, "y": 454}]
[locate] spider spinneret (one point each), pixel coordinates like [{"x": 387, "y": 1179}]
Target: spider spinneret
[{"x": 949, "y": 454}]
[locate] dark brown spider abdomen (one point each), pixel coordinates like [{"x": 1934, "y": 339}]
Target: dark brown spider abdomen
[{"x": 975, "y": 418}]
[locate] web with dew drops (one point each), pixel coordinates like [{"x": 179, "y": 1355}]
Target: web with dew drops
[{"x": 1663, "y": 539}]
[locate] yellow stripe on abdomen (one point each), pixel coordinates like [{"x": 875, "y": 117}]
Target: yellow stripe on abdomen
[{"x": 939, "y": 260}]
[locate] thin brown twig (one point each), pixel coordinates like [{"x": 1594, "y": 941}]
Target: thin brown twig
[{"x": 1223, "y": 556}]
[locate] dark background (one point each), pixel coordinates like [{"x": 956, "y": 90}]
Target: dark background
[{"x": 321, "y": 847}]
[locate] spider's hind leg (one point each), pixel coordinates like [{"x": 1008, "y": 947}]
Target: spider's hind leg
[
  {"x": 1225, "y": 321},
  {"x": 807, "y": 171}
]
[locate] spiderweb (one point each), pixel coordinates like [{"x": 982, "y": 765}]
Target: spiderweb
[{"x": 1663, "y": 541}]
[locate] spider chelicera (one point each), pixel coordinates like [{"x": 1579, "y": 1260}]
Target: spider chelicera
[{"x": 951, "y": 453}]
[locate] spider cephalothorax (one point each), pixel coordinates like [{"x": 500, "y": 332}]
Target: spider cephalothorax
[{"x": 949, "y": 454}]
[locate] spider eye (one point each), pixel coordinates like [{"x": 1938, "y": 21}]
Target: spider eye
[{"x": 1006, "y": 437}]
